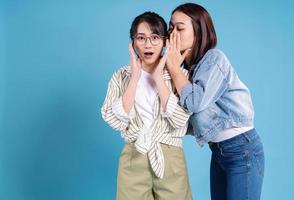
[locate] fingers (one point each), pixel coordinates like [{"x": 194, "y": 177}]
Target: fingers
[
  {"x": 171, "y": 41},
  {"x": 167, "y": 47},
  {"x": 178, "y": 41},
  {"x": 131, "y": 50},
  {"x": 174, "y": 39},
  {"x": 132, "y": 55},
  {"x": 139, "y": 63},
  {"x": 163, "y": 59}
]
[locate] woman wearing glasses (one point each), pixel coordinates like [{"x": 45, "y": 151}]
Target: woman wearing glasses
[
  {"x": 140, "y": 103},
  {"x": 221, "y": 104}
]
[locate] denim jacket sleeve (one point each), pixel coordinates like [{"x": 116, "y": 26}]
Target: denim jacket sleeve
[{"x": 208, "y": 84}]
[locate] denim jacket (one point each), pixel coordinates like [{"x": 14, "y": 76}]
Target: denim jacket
[{"x": 216, "y": 97}]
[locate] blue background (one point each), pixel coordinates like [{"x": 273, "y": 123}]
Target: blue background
[{"x": 56, "y": 59}]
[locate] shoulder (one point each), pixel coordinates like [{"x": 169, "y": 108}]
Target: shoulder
[
  {"x": 121, "y": 74},
  {"x": 216, "y": 57},
  {"x": 123, "y": 71}
]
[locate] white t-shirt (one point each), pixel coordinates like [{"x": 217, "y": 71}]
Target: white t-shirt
[
  {"x": 145, "y": 97},
  {"x": 230, "y": 133}
]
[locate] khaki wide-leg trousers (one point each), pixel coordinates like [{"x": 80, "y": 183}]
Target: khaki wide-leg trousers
[{"x": 137, "y": 181}]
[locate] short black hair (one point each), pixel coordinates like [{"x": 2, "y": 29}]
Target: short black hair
[{"x": 155, "y": 22}]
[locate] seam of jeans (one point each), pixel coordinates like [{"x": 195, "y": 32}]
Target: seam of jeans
[
  {"x": 260, "y": 171},
  {"x": 247, "y": 137},
  {"x": 248, "y": 173}
]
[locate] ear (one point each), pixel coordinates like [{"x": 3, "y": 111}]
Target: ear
[{"x": 163, "y": 51}]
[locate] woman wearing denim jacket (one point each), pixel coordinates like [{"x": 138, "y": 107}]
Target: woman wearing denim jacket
[{"x": 221, "y": 105}]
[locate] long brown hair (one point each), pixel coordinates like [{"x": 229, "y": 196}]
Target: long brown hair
[{"x": 205, "y": 36}]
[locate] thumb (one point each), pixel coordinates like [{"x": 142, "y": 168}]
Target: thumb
[
  {"x": 139, "y": 63},
  {"x": 132, "y": 54},
  {"x": 167, "y": 45},
  {"x": 162, "y": 61}
]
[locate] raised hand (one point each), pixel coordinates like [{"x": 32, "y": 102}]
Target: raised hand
[
  {"x": 136, "y": 64},
  {"x": 158, "y": 71},
  {"x": 175, "y": 58}
]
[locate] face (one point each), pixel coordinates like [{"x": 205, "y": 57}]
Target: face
[
  {"x": 183, "y": 25},
  {"x": 148, "y": 45}
]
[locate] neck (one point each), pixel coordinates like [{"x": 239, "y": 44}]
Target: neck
[
  {"x": 188, "y": 59},
  {"x": 149, "y": 67}
]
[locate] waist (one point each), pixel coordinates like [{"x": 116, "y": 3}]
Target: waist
[
  {"x": 230, "y": 133},
  {"x": 167, "y": 140},
  {"x": 207, "y": 131},
  {"x": 247, "y": 136}
]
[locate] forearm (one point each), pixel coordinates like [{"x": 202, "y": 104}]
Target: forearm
[
  {"x": 128, "y": 97},
  {"x": 163, "y": 92},
  {"x": 179, "y": 78}
]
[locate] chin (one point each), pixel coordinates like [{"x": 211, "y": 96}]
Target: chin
[
  {"x": 185, "y": 48},
  {"x": 149, "y": 62}
]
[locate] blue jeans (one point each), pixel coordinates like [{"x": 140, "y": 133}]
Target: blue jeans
[{"x": 237, "y": 168}]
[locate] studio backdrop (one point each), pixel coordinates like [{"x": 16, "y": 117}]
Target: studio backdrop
[{"x": 56, "y": 59}]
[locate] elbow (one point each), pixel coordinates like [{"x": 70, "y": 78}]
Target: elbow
[{"x": 191, "y": 106}]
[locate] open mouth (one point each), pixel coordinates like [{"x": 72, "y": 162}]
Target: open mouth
[{"x": 148, "y": 53}]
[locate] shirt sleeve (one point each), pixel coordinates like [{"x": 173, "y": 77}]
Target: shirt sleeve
[
  {"x": 176, "y": 114},
  {"x": 112, "y": 110},
  {"x": 119, "y": 112}
]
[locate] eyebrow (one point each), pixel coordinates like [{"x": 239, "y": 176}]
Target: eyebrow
[
  {"x": 178, "y": 23},
  {"x": 146, "y": 34}
]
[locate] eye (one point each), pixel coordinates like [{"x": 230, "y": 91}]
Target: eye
[
  {"x": 179, "y": 29},
  {"x": 155, "y": 37},
  {"x": 140, "y": 38}
]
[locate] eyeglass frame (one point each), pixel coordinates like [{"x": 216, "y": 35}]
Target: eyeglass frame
[{"x": 146, "y": 38}]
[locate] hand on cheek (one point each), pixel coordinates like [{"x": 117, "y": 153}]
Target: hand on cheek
[{"x": 136, "y": 64}]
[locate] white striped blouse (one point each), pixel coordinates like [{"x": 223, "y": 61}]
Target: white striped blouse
[{"x": 168, "y": 126}]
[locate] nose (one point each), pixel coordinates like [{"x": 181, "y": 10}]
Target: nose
[{"x": 148, "y": 42}]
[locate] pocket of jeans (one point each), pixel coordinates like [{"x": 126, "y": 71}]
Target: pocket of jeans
[
  {"x": 235, "y": 160},
  {"x": 236, "y": 151},
  {"x": 259, "y": 158}
]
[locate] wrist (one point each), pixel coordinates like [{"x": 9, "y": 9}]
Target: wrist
[
  {"x": 135, "y": 77},
  {"x": 174, "y": 70},
  {"x": 158, "y": 80}
]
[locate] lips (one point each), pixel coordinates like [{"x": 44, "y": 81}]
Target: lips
[{"x": 148, "y": 53}]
